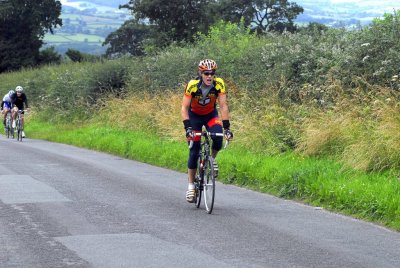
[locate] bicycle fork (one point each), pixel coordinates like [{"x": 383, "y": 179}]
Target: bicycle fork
[{"x": 201, "y": 176}]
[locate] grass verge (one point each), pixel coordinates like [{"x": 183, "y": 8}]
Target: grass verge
[{"x": 373, "y": 196}]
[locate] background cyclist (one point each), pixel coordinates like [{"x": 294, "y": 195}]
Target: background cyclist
[
  {"x": 198, "y": 110},
  {"x": 7, "y": 103},
  {"x": 20, "y": 103}
]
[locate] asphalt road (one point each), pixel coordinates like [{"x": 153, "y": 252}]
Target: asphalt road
[{"x": 62, "y": 206}]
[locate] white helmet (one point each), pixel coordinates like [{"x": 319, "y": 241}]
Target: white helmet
[
  {"x": 10, "y": 93},
  {"x": 19, "y": 89}
]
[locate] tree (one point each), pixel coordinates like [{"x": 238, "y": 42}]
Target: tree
[
  {"x": 48, "y": 56},
  {"x": 234, "y": 10},
  {"x": 78, "y": 56},
  {"x": 127, "y": 40},
  {"x": 23, "y": 24},
  {"x": 275, "y": 15},
  {"x": 261, "y": 15},
  {"x": 74, "y": 55},
  {"x": 180, "y": 19}
]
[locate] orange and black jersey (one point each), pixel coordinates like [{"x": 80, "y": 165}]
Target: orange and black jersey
[{"x": 204, "y": 105}]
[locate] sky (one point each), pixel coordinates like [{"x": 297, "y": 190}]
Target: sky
[
  {"x": 361, "y": 1},
  {"x": 346, "y": 1},
  {"x": 377, "y": 3}
]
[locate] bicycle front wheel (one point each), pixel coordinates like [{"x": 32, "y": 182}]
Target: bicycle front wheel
[
  {"x": 19, "y": 130},
  {"x": 199, "y": 181},
  {"x": 199, "y": 192},
  {"x": 209, "y": 185}
]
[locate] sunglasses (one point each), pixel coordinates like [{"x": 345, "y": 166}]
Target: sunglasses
[{"x": 208, "y": 73}]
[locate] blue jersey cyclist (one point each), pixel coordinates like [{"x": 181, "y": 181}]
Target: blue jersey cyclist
[
  {"x": 8, "y": 103},
  {"x": 199, "y": 108}
]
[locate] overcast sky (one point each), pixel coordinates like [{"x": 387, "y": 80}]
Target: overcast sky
[
  {"x": 350, "y": 1},
  {"x": 370, "y": 2},
  {"x": 376, "y": 5}
]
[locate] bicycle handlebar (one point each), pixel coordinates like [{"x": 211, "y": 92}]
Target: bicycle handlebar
[
  {"x": 208, "y": 134},
  {"x": 19, "y": 111}
]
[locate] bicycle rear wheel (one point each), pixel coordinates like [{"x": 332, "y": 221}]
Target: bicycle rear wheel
[
  {"x": 209, "y": 185},
  {"x": 8, "y": 125}
]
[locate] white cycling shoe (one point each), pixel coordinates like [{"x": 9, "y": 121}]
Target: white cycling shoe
[
  {"x": 23, "y": 134},
  {"x": 190, "y": 195}
]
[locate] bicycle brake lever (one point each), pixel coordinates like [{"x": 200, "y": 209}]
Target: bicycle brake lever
[
  {"x": 226, "y": 144},
  {"x": 190, "y": 144}
]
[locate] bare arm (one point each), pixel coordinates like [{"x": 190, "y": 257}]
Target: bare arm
[
  {"x": 224, "y": 109},
  {"x": 223, "y": 106},
  {"x": 185, "y": 107}
]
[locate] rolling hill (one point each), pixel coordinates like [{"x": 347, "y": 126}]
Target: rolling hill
[
  {"x": 86, "y": 24},
  {"x": 344, "y": 13}
]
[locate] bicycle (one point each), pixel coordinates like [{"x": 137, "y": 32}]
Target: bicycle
[
  {"x": 18, "y": 125},
  {"x": 8, "y": 128},
  {"x": 205, "y": 180}
]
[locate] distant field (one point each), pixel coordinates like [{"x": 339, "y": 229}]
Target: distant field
[
  {"x": 93, "y": 20},
  {"x": 111, "y": 20},
  {"x": 68, "y": 38},
  {"x": 86, "y": 30}
]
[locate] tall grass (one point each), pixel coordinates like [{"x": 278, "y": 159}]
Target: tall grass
[{"x": 364, "y": 137}]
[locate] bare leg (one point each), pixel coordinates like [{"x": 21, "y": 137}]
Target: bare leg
[
  {"x": 214, "y": 153},
  {"x": 191, "y": 175},
  {"x": 5, "y": 115}
]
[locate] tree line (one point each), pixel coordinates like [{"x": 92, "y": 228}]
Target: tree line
[
  {"x": 155, "y": 24},
  {"x": 158, "y": 23},
  {"x": 23, "y": 24}
]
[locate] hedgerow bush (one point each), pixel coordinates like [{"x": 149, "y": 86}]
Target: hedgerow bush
[
  {"x": 237, "y": 52},
  {"x": 34, "y": 81},
  {"x": 372, "y": 54},
  {"x": 70, "y": 89},
  {"x": 169, "y": 69}
]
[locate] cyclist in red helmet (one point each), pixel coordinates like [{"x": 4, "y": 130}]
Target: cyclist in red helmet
[{"x": 198, "y": 110}]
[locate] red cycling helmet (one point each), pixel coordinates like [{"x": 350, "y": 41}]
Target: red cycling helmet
[{"x": 207, "y": 65}]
